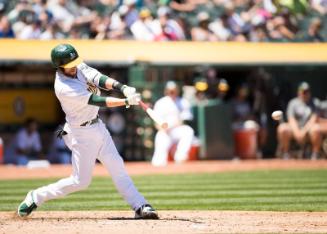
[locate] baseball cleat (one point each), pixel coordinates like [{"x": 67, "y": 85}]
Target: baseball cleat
[
  {"x": 27, "y": 206},
  {"x": 146, "y": 212}
]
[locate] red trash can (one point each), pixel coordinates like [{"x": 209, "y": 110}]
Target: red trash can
[
  {"x": 1, "y": 150},
  {"x": 245, "y": 140}
]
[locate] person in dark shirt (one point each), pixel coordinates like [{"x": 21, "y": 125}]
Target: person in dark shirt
[{"x": 5, "y": 28}]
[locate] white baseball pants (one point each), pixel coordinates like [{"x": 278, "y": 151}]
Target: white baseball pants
[
  {"x": 182, "y": 135},
  {"x": 88, "y": 144}
]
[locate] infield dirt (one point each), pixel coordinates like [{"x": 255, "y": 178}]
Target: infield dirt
[{"x": 170, "y": 222}]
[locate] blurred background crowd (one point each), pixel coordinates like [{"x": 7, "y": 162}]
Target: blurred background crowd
[
  {"x": 231, "y": 102},
  {"x": 166, "y": 20}
]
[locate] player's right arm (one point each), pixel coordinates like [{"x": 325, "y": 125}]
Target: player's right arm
[{"x": 97, "y": 100}]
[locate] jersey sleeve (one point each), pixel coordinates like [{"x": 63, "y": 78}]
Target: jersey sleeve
[
  {"x": 290, "y": 109},
  {"x": 91, "y": 74}
]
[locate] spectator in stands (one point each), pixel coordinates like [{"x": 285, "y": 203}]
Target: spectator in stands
[
  {"x": 313, "y": 32},
  {"x": 301, "y": 124},
  {"x": 220, "y": 28},
  {"x": 6, "y": 30},
  {"x": 278, "y": 31},
  {"x": 169, "y": 29},
  {"x": 180, "y": 5},
  {"x": 144, "y": 28},
  {"x": 118, "y": 28},
  {"x": 68, "y": 14},
  {"x": 202, "y": 31},
  {"x": 296, "y": 7},
  {"x": 32, "y": 30},
  {"x": 42, "y": 13},
  {"x": 26, "y": 145},
  {"x": 254, "y": 20},
  {"x": 320, "y": 6},
  {"x": 237, "y": 23},
  {"x": 258, "y": 34},
  {"x": 174, "y": 110},
  {"x": 99, "y": 27},
  {"x": 132, "y": 14}
]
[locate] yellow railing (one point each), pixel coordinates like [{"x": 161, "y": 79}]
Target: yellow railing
[{"x": 171, "y": 52}]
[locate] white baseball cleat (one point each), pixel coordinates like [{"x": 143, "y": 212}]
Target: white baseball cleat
[{"x": 146, "y": 212}]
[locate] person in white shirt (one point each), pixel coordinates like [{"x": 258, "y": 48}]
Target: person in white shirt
[
  {"x": 77, "y": 88},
  {"x": 27, "y": 143},
  {"x": 174, "y": 110}
]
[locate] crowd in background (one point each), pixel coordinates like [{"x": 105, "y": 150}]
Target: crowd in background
[{"x": 165, "y": 20}]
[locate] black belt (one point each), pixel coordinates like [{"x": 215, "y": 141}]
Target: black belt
[{"x": 90, "y": 122}]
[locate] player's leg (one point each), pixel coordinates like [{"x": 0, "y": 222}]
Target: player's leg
[
  {"x": 162, "y": 144},
  {"x": 113, "y": 162},
  {"x": 83, "y": 160},
  {"x": 284, "y": 136},
  {"x": 184, "y": 136},
  {"x": 315, "y": 138}
]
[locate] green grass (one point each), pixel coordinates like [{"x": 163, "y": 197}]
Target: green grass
[{"x": 293, "y": 190}]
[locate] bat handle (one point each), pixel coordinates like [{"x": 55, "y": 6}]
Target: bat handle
[{"x": 143, "y": 105}]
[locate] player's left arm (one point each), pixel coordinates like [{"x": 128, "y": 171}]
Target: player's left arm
[{"x": 104, "y": 82}]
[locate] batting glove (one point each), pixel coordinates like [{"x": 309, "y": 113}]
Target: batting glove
[
  {"x": 128, "y": 91},
  {"x": 133, "y": 100}
]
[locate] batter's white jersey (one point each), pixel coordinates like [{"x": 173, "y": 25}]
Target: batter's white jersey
[{"x": 74, "y": 94}]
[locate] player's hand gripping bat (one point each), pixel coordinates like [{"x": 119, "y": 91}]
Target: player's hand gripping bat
[{"x": 154, "y": 116}]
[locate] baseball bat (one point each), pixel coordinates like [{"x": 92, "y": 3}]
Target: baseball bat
[{"x": 154, "y": 116}]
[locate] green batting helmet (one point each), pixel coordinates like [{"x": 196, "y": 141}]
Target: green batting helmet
[{"x": 65, "y": 56}]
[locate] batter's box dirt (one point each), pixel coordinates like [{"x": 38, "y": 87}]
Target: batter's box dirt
[{"x": 91, "y": 222}]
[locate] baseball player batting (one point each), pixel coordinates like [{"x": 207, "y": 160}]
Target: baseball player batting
[{"x": 77, "y": 88}]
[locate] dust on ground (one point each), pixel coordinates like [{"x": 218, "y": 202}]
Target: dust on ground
[{"x": 67, "y": 222}]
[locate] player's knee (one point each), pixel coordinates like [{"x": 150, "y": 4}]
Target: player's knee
[
  {"x": 81, "y": 184},
  {"x": 162, "y": 138},
  {"x": 315, "y": 129},
  {"x": 283, "y": 129}
]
